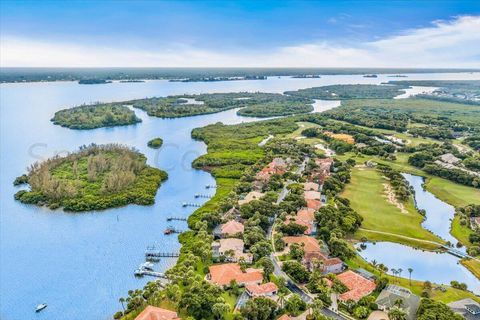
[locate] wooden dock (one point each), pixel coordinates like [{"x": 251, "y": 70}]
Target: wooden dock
[
  {"x": 143, "y": 272},
  {"x": 189, "y": 204},
  {"x": 207, "y": 196},
  {"x": 176, "y": 218}
]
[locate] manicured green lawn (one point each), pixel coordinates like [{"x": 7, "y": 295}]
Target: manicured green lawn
[
  {"x": 453, "y": 193},
  {"x": 367, "y": 196}
]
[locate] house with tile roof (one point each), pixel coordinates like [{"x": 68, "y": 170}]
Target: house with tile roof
[
  {"x": 392, "y": 293},
  {"x": 261, "y": 290},
  {"x": 223, "y": 274},
  {"x": 229, "y": 229},
  {"x": 310, "y": 244},
  {"x": 312, "y": 195},
  {"x": 231, "y": 249},
  {"x": 252, "y": 195},
  {"x": 155, "y": 313},
  {"x": 304, "y": 217},
  {"x": 357, "y": 285},
  {"x": 311, "y": 186},
  {"x": 314, "y": 204}
]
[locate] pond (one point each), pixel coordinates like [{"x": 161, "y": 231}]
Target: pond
[
  {"x": 440, "y": 268},
  {"x": 81, "y": 264}
]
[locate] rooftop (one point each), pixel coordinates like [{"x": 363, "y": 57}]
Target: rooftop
[
  {"x": 222, "y": 274},
  {"x": 358, "y": 286},
  {"x": 392, "y": 293},
  {"x": 232, "y": 227},
  {"x": 310, "y": 243},
  {"x": 155, "y": 313},
  {"x": 252, "y": 195},
  {"x": 262, "y": 289}
]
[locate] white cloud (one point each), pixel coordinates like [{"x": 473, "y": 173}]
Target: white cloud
[{"x": 447, "y": 44}]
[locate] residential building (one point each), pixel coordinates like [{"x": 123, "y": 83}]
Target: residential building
[
  {"x": 311, "y": 186},
  {"x": 468, "y": 308},
  {"x": 261, "y": 290},
  {"x": 155, "y": 313},
  {"x": 223, "y": 274},
  {"x": 277, "y": 166},
  {"x": 357, "y": 285},
  {"x": 319, "y": 260},
  {"x": 229, "y": 229},
  {"x": 314, "y": 204},
  {"x": 252, "y": 195},
  {"x": 231, "y": 249},
  {"x": 304, "y": 217},
  {"x": 310, "y": 244},
  {"x": 392, "y": 293},
  {"x": 312, "y": 195}
]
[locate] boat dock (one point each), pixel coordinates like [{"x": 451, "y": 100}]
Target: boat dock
[
  {"x": 188, "y": 204},
  {"x": 154, "y": 253},
  {"x": 212, "y": 186},
  {"x": 176, "y": 218},
  {"x": 144, "y": 272},
  {"x": 203, "y": 196}
]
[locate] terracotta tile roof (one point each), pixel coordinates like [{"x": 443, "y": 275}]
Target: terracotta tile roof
[
  {"x": 306, "y": 214},
  {"x": 262, "y": 289},
  {"x": 309, "y": 256},
  {"x": 314, "y": 204},
  {"x": 252, "y": 195},
  {"x": 232, "y": 227},
  {"x": 328, "y": 282},
  {"x": 311, "y": 186},
  {"x": 312, "y": 195},
  {"x": 291, "y": 219},
  {"x": 310, "y": 243},
  {"x": 230, "y": 244},
  {"x": 285, "y": 317},
  {"x": 155, "y": 313},
  {"x": 222, "y": 274},
  {"x": 358, "y": 286}
]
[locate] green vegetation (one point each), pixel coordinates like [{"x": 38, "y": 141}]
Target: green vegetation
[
  {"x": 442, "y": 118},
  {"x": 430, "y": 309},
  {"x": 96, "y": 177},
  {"x": 91, "y": 117},
  {"x": 277, "y": 108},
  {"x": 255, "y": 104},
  {"x": 93, "y": 81},
  {"x": 384, "y": 220},
  {"x": 463, "y": 91},
  {"x": 155, "y": 143},
  {"x": 349, "y": 91}
]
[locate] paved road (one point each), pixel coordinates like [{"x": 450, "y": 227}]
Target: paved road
[{"x": 277, "y": 271}]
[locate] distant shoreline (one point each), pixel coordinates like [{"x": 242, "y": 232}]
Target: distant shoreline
[{"x": 23, "y": 75}]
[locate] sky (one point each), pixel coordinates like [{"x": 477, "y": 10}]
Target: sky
[{"x": 429, "y": 34}]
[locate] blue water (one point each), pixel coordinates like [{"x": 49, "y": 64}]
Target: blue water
[
  {"x": 81, "y": 264},
  {"x": 440, "y": 268}
]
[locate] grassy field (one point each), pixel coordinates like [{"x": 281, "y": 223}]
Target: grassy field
[
  {"x": 473, "y": 266},
  {"x": 455, "y": 194},
  {"x": 451, "y": 294},
  {"x": 367, "y": 196}
]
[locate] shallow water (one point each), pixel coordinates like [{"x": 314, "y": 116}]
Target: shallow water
[{"x": 81, "y": 264}]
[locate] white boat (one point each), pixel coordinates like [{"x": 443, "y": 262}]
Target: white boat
[{"x": 40, "y": 307}]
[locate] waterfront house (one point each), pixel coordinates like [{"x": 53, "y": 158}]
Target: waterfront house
[
  {"x": 269, "y": 289},
  {"x": 392, "y": 293},
  {"x": 231, "y": 228},
  {"x": 155, "y": 313},
  {"x": 252, "y": 195},
  {"x": 358, "y": 286},
  {"x": 468, "y": 308},
  {"x": 231, "y": 249},
  {"x": 223, "y": 274},
  {"x": 232, "y": 214}
]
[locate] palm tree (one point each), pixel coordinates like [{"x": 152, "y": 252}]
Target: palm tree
[
  {"x": 396, "y": 313},
  {"x": 400, "y": 273},
  {"x": 122, "y": 300},
  {"x": 410, "y": 270},
  {"x": 281, "y": 298},
  {"x": 374, "y": 263}
]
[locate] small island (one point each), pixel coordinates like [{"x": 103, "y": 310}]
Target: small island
[
  {"x": 94, "y": 81},
  {"x": 96, "y": 116},
  {"x": 96, "y": 177},
  {"x": 155, "y": 143}
]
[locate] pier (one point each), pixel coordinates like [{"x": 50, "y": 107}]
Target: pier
[
  {"x": 152, "y": 252},
  {"x": 176, "y": 219},
  {"x": 456, "y": 253},
  {"x": 188, "y": 204},
  {"x": 212, "y": 186},
  {"x": 144, "y": 272},
  {"x": 171, "y": 230},
  {"x": 203, "y": 196}
]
